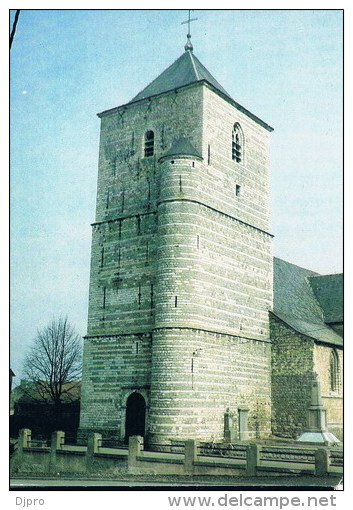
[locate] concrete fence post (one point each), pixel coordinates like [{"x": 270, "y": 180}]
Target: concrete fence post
[
  {"x": 24, "y": 439},
  {"x": 135, "y": 447},
  {"x": 322, "y": 462},
  {"x": 57, "y": 441},
  {"x": 93, "y": 443},
  {"x": 229, "y": 433},
  {"x": 252, "y": 459},
  {"x": 190, "y": 455},
  {"x": 243, "y": 414}
]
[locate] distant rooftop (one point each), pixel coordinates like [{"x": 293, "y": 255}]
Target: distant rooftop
[
  {"x": 306, "y": 300},
  {"x": 328, "y": 290}
]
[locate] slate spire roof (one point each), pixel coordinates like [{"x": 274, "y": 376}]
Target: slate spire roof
[
  {"x": 182, "y": 147},
  {"x": 187, "y": 69}
]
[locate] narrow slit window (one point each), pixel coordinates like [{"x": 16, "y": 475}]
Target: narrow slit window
[
  {"x": 237, "y": 190},
  {"x": 149, "y": 144},
  {"x": 119, "y": 256},
  {"x": 148, "y": 193},
  {"x": 113, "y": 166},
  {"x": 152, "y": 298},
  {"x": 139, "y": 296}
]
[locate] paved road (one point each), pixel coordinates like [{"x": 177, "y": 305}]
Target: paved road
[
  {"x": 283, "y": 482},
  {"x": 35, "y": 484}
]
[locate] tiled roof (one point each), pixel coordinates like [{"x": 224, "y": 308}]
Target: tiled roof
[
  {"x": 185, "y": 70},
  {"x": 297, "y": 305}
]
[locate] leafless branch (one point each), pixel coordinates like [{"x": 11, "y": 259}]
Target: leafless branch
[{"x": 54, "y": 363}]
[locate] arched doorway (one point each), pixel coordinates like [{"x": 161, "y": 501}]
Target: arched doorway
[{"x": 135, "y": 416}]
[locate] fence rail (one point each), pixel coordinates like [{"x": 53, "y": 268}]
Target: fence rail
[
  {"x": 250, "y": 458},
  {"x": 336, "y": 459},
  {"x": 216, "y": 450},
  {"x": 298, "y": 456},
  {"x": 166, "y": 448},
  {"x": 112, "y": 442},
  {"x": 38, "y": 443}
]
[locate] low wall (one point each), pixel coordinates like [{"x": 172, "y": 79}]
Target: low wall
[
  {"x": 59, "y": 457},
  {"x": 242, "y": 460}
]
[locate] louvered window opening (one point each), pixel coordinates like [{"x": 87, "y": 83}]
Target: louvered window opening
[
  {"x": 149, "y": 144},
  {"x": 236, "y": 148}
]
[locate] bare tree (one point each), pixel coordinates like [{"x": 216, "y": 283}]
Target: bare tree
[{"x": 53, "y": 364}]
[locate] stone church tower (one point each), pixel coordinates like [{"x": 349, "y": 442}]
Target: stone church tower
[{"x": 181, "y": 268}]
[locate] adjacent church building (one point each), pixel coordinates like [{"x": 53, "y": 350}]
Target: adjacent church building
[{"x": 195, "y": 330}]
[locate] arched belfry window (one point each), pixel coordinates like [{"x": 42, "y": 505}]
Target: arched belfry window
[
  {"x": 334, "y": 371},
  {"x": 149, "y": 144},
  {"x": 237, "y": 143}
]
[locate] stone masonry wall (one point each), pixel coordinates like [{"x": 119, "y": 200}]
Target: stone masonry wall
[
  {"x": 214, "y": 278},
  {"x": 114, "y": 367},
  {"x": 197, "y": 375},
  {"x": 181, "y": 268},
  {"x": 332, "y": 400},
  {"x": 209, "y": 245},
  {"x": 222, "y": 174},
  {"x": 123, "y": 256},
  {"x": 124, "y": 235},
  {"x": 292, "y": 369},
  {"x": 218, "y": 261}
]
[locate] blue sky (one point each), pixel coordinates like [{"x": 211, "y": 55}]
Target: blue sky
[{"x": 285, "y": 66}]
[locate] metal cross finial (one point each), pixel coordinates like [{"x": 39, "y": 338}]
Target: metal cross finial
[
  {"x": 189, "y": 21},
  {"x": 188, "y": 45}
]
